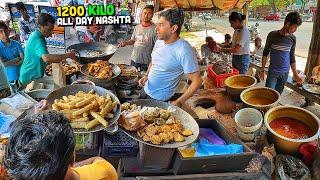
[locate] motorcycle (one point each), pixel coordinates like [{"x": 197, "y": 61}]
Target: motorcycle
[{"x": 254, "y": 31}]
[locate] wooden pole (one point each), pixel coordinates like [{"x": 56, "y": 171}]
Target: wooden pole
[
  {"x": 246, "y": 12},
  {"x": 314, "y": 48}
]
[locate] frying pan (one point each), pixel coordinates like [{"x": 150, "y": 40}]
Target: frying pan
[
  {"x": 186, "y": 119},
  {"x": 116, "y": 69},
  {"x": 73, "y": 89},
  {"x": 106, "y": 51}
]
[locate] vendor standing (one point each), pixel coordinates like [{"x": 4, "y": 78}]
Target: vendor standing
[
  {"x": 171, "y": 58},
  {"x": 26, "y": 23},
  {"x": 36, "y": 52},
  {"x": 143, "y": 40},
  {"x": 240, "y": 43},
  {"x": 11, "y": 54},
  {"x": 281, "y": 45}
]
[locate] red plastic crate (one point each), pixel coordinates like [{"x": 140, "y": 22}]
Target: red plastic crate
[{"x": 219, "y": 79}]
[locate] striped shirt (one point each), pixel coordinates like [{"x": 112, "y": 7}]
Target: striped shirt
[{"x": 281, "y": 49}]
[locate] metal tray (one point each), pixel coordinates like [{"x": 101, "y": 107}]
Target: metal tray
[
  {"x": 186, "y": 119},
  {"x": 312, "y": 88},
  {"x": 73, "y": 89}
]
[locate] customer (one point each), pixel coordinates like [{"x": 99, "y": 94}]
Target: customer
[
  {"x": 281, "y": 46},
  {"x": 93, "y": 33},
  {"x": 143, "y": 40},
  {"x": 227, "y": 41},
  {"x": 171, "y": 58},
  {"x": 42, "y": 147},
  {"x": 240, "y": 43},
  {"x": 36, "y": 52},
  {"x": 26, "y": 23},
  {"x": 208, "y": 48},
  {"x": 11, "y": 54}
]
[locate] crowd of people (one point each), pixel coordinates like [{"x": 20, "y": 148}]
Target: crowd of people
[{"x": 42, "y": 146}]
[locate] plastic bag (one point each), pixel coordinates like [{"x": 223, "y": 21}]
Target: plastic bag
[
  {"x": 18, "y": 102},
  {"x": 289, "y": 168},
  {"x": 205, "y": 148},
  {"x": 211, "y": 136},
  {"x": 5, "y": 121}
]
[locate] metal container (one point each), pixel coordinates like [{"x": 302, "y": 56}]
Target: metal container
[
  {"x": 232, "y": 85},
  {"x": 260, "y": 92},
  {"x": 284, "y": 144},
  {"x": 107, "y": 51},
  {"x": 39, "y": 94},
  {"x": 102, "y": 82}
]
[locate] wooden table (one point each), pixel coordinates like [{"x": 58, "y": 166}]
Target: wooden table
[{"x": 312, "y": 97}]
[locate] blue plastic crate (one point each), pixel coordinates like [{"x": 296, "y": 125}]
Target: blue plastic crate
[{"x": 119, "y": 145}]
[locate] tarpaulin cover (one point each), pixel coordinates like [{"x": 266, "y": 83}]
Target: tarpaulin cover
[{"x": 203, "y": 4}]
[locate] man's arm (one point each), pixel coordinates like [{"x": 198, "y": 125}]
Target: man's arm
[
  {"x": 56, "y": 58},
  {"x": 196, "y": 83},
  {"x": 144, "y": 79},
  {"x": 293, "y": 63}
]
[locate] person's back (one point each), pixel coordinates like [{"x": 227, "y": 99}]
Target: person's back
[{"x": 31, "y": 68}]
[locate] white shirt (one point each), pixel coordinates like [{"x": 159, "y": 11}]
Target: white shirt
[{"x": 242, "y": 37}]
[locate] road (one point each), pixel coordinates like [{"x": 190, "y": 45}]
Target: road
[{"x": 303, "y": 33}]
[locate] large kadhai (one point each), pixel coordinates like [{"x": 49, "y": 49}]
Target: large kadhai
[{"x": 88, "y": 108}]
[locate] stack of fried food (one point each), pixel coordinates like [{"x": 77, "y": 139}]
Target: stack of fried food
[
  {"x": 127, "y": 70},
  {"x": 154, "y": 125},
  {"x": 100, "y": 69},
  {"x": 67, "y": 68},
  {"x": 86, "y": 110}
]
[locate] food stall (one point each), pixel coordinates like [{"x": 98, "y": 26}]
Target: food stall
[{"x": 229, "y": 129}]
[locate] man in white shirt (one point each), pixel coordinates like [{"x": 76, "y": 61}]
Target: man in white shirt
[
  {"x": 171, "y": 58},
  {"x": 26, "y": 23}
]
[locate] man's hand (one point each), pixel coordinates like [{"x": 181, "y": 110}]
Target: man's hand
[
  {"x": 41, "y": 106},
  {"x": 143, "y": 80},
  {"x": 71, "y": 55},
  {"x": 298, "y": 79},
  {"x": 177, "y": 103},
  {"x": 262, "y": 75},
  {"x": 122, "y": 44}
]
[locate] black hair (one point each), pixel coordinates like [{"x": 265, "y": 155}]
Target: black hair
[
  {"x": 175, "y": 17},
  {"x": 40, "y": 147},
  {"x": 20, "y": 6},
  {"x": 237, "y": 16},
  {"x": 151, "y": 7},
  {"x": 227, "y": 36},
  {"x": 293, "y": 18},
  {"x": 209, "y": 38},
  {"x": 3, "y": 25},
  {"x": 45, "y": 18}
]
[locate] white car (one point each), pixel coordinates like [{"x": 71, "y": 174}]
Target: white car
[{"x": 310, "y": 19}]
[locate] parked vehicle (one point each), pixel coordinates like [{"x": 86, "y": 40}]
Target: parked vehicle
[{"x": 273, "y": 17}]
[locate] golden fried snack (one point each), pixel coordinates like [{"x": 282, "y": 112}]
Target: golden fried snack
[
  {"x": 92, "y": 124},
  {"x": 99, "y": 118},
  {"x": 178, "y": 137},
  {"x": 187, "y": 132},
  {"x": 100, "y": 69},
  {"x": 83, "y": 109}
]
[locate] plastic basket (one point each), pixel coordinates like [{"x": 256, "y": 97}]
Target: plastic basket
[
  {"x": 119, "y": 145},
  {"x": 218, "y": 79}
]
